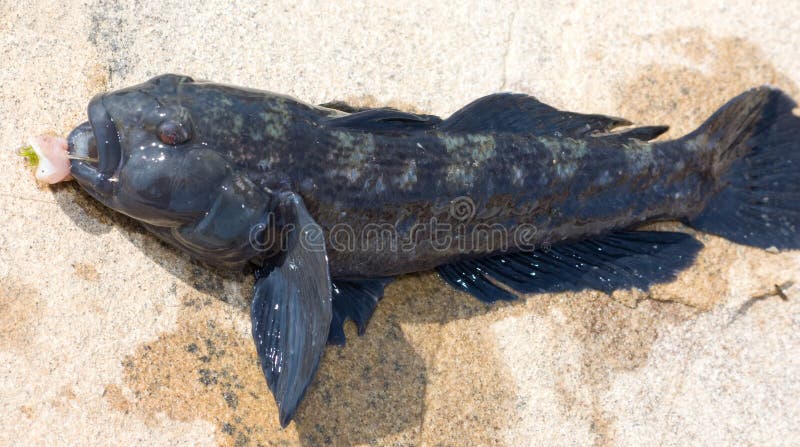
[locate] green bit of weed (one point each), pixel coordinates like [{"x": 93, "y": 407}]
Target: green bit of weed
[{"x": 30, "y": 155}]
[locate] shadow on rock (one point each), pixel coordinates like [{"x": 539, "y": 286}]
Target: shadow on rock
[
  {"x": 87, "y": 214},
  {"x": 206, "y": 368}
]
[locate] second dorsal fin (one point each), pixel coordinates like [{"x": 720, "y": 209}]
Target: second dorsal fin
[{"x": 515, "y": 112}]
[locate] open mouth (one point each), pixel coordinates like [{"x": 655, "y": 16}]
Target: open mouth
[{"x": 96, "y": 142}]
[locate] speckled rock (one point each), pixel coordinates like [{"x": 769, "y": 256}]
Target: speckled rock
[{"x": 108, "y": 336}]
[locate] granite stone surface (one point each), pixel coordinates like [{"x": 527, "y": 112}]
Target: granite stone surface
[{"x": 109, "y": 337}]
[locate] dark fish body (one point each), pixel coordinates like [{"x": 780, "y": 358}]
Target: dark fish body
[
  {"x": 331, "y": 202},
  {"x": 549, "y": 188},
  {"x": 390, "y": 188}
]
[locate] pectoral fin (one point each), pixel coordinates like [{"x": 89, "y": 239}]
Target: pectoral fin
[{"x": 291, "y": 311}]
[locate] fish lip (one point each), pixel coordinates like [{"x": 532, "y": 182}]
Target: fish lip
[
  {"x": 99, "y": 133},
  {"x": 109, "y": 150},
  {"x": 106, "y": 138},
  {"x": 80, "y": 143}
]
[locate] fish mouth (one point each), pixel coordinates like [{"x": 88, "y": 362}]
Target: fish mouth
[{"x": 95, "y": 143}]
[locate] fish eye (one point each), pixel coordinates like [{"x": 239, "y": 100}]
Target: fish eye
[{"x": 173, "y": 133}]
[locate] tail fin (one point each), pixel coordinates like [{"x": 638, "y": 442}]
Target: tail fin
[{"x": 755, "y": 139}]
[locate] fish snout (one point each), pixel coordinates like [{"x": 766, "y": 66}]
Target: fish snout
[{"x": 94, "y": 150}]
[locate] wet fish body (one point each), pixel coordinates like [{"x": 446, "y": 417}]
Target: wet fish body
[{"x": 331, "y": 202}]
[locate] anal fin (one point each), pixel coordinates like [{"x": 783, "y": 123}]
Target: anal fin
[
  {"x": 469, "y": 277},
  {"x": 619, "y": 260}
]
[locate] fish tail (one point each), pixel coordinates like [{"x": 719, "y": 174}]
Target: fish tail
[{"x": 754, "y": 143}]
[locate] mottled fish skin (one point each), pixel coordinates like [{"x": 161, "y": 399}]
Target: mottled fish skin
[
  {"x": 378, "y": 194},
  {"x": 551, "y": 188},
  {"x": 386, "y": 189}
]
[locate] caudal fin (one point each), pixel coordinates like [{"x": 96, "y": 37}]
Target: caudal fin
[{"x": 755, "y": 139}]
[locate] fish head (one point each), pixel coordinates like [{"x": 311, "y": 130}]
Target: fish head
[
  {"x": 162, "y": 152},
  {"x": 140, "y": 153}
]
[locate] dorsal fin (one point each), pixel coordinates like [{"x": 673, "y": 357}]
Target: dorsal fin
[
  {"x": 643, "y": 133},
  {"x": 385, "y": 120},
  {"x": 343, "y": 107},
  {"x": 515, "y": 112}
]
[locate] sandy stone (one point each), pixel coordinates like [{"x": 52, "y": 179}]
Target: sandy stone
[{"x": 108, "y": 334}]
